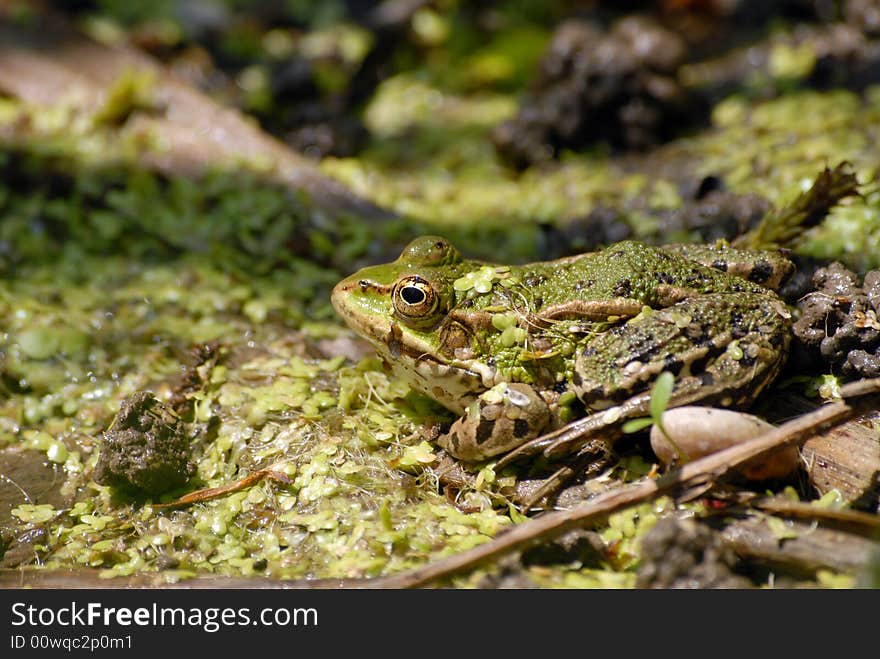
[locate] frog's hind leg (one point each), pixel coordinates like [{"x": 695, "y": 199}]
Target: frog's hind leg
[
  {"x": 729, "y": 344},
  {"x": 722, "y": 348}
]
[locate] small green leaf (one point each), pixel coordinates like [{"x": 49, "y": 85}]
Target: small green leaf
[
  {"x": 57, "y": 452},
  {"x": 422, "y": 453},
  {"x": 515, "y": 515},
  {"x": 660, "y": 395},
  {"x": 635, "y": 425},
  {"x": 501, "y": 321},
  {"x": 832, "y": 499},
  {"x": 829, "y": 389},
  {"x": 34, "y": 513},
  {"x": 385, "y": 517}
]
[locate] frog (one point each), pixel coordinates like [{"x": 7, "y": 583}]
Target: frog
[{"x": 540, "y": 357}]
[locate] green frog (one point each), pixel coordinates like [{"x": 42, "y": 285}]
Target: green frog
[{"x": 540, "y": 357}]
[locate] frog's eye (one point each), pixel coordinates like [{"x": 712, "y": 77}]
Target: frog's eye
[{"x": 414, "y": 298}]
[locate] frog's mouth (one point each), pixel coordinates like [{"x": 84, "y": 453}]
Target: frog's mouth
[{"x": 453, "y": 383}]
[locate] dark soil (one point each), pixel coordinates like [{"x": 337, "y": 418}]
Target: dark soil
[
  {"x": 146, "y": 448},
  {"x": 686, "y": 554},
  {"x": 838, "y": 328},
  {"x": 618, "y": 87}
]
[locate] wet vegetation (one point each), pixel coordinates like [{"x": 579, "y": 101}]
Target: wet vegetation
[{"x": 168, "y": 328}]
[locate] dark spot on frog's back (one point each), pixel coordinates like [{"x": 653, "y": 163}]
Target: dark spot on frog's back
[
  {"x": 584, "y": 283},
  {"x": 738, "y": 327},
  {"x": 720, "y": 265},
  {"x": 698, "y": 333},
  {"x": 484, "y": 430},
  {"x": 520, "y": 428},
  {"x": 696, "y": 279},
  {"x": 698, "y": 365},
  {"x": 761, "y": 271},
  {"x": 533, "y": 279},
  {"x": 622, "y": 288}
]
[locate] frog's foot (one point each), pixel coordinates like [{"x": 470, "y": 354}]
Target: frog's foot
[
  {"x": 592, "y": 458},
  {"x": 501, "y": 419}
]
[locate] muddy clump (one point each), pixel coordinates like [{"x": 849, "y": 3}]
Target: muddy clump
[
  {"x": 719, "y": 214},
  {"x": 307, "y": 122},
  {"x": 618, "y": 87},
  {"x": 686, "y": 554},
  {"x": 838, "y": 327},
  {"x": 146, "y": 450}
]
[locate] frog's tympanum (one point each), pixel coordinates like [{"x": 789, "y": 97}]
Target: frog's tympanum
[{"x": 571, "y": 346}]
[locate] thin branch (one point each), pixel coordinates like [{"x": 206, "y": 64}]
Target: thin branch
[
  {"x": 200, "y": 496},
  {"x": 856, "y": 521}
]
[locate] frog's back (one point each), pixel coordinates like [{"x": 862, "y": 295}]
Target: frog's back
[{"x": 629, "y": 270}]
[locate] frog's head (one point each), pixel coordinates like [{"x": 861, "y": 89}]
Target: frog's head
[{"x": 402, "y": 308}]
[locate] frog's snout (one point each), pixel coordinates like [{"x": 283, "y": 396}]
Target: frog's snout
[
  {"x": 358, "y": 301},
  {"x": 337, "y": 297}
]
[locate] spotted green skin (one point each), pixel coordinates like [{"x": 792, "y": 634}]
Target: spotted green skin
[{"x": 521, "y": 350}]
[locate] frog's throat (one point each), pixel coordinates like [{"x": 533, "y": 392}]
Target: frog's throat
[{"x": 454, "y": 384}]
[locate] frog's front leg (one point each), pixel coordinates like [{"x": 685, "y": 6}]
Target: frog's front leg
[{"x": 502, "y": 418}]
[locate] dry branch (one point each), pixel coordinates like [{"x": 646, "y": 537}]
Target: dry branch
[{"x": 808, "y": 550}]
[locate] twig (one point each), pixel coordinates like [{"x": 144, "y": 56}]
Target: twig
[
  {"x": 206, "y": 494},
  {"x": 855, "y": 398},
  {"x": 855, "y": 520}
]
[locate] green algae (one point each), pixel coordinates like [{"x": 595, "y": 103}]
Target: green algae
[{"x": 775, "y": 149}]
